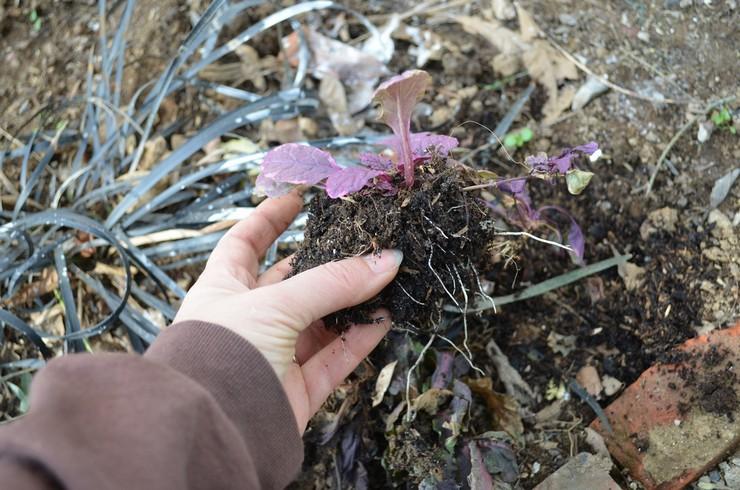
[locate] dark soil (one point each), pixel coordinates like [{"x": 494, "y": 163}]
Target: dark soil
[{"x": 443, "y": 232}]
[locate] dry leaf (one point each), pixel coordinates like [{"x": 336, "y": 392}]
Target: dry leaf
[
  {"x": 548, "y": 67},
  {"x": 502, "y": 38},
  {"x": 528, "y": 28},
  {"x": 632, "y": 275},
  {"x": 383, "y": 382},
  {"x": 430, "y": 400},
  {"x": 503, "y": 9},
  {"x": 332, "y": 94},
  {"x": 504, "y": 409},
  {"x": 358, "y": 71},
  {"x": 510, "y": 377}
]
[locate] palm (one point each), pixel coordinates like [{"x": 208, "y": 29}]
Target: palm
[{"x": 309, "y": 360}]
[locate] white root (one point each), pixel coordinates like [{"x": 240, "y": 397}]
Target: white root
[
  {"x": 409, "y": 409},
  {"x": 409, "y": 295},
  {"x": 465, "y": 314},
  {"x": 459, "y": 351}
]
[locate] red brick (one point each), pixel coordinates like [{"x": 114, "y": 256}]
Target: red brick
[{"x": 647, "y": 439}]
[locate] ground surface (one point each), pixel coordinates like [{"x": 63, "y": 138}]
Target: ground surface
[{"x": 671, "y": 59}]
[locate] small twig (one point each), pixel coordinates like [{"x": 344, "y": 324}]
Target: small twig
[
  {"x": 677, "y": 136},
  {"x": 411, "y": 371}
]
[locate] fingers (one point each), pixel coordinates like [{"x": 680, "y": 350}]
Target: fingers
[
  {"x": 312, "y": 340},
  {"x": 276, "y": 273},
  {"x": 332, "y": 364},
  {"x": 317, "y": 292},
  {"x": 239, "y": 250}
]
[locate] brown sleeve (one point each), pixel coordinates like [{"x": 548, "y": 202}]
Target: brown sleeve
[{"x": 201, "y": 409}]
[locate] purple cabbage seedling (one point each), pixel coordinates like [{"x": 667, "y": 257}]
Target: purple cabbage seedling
[
  {"x": 295, "y": 163},
  {"x": 417, "y": 199}
]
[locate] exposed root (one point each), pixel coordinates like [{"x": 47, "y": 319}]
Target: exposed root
[
  {"x": 459, "y": 351},
  {"x": 409, "y": 410}
]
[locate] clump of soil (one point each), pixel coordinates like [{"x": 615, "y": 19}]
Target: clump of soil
[{"x": 442, "y": 230}]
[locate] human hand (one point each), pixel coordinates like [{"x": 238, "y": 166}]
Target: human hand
[{"x": 282, "y": 318}]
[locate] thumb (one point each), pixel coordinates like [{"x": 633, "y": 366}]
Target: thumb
[{"x": 330, "y": 287}]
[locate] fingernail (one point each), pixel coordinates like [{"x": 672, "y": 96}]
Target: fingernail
[{"x": 387, "y": 260}]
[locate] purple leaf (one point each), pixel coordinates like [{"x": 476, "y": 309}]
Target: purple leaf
[
  {"x": 423, "y": 143},
  {"x": 348, "y": 180},
  {"x": 576, "y": 239},
  {"x": 298, "y": 164},
  {"x": 443, "y": 372},
  {"x": 375, "y": 161},
  {"x": 397, "y": 98},
  {"x": 589, "y": 148},
  {"x": 384, "y": 183},
  {"x": 563, "y": 162},
  {"x": 270, "y": 188},
  {"x": 513, "y": 186}
]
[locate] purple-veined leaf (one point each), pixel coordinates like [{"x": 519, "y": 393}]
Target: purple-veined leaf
[
  {"x": 561, "y": 163},
  {"x": 348, "y": 180},
  {"x": 422, "y": 144},
  {"x": 576, "y": 239},
  {"x": 270, "y": 188},
  {"x": 294, "y": 163},
  {"x": 514, "y": 186},
  {"x": 375, "y": 161},
  {"x": 397, "y": 98}
]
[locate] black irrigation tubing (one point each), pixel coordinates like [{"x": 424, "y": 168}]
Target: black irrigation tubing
[
  {"x": 16, "y": 323},
  {"x": 215, "y": 193},
  {"x": 141, "y": 326},
  {"x": 154, "y": 302},
  {"x": 71, "y": 319},
  {"x": 160, "y": 88},
  {"x": 142, "y": 260},
  {"x": 249, "y": 113},
  {"x": 65, "y": 218}
]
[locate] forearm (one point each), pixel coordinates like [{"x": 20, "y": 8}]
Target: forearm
[{"x": 201, "y": 409}]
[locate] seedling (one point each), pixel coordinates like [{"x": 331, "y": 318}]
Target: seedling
[
  {"x": 722, "y": 118},
  {"x": 517, "y": 139},
  {"x": 417, "y": 199},
  {"x": 301, "y": 164}
]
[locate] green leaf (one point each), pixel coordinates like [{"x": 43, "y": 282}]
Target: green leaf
[
  {"x": 33, "y": 16},
  {"x": 526, "y": 135},
  {"x": 511, "y": 140},
  {"x": 577, "y": 180}
]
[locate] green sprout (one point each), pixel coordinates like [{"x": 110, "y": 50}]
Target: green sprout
[
  {"x": 723, "y": 119},
  {"x": 35, "y": 20},
  {"x": 517, "y": 139}
]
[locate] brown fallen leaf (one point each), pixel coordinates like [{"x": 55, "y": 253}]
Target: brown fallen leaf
[
  {"x": 504, "y": 409},
  {"x": 334, "y": 97},
  {"x": 431, "y": 400},
  {"x": 548, "y": 67}
]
